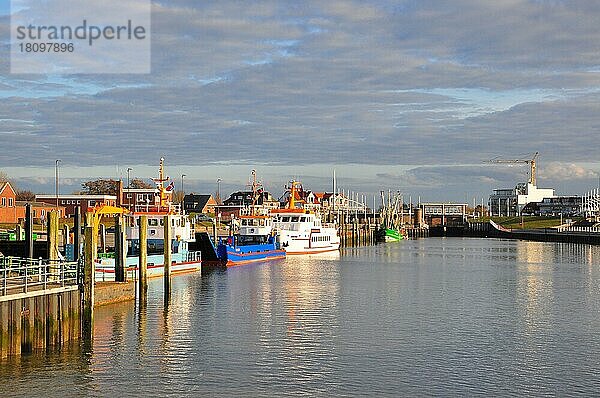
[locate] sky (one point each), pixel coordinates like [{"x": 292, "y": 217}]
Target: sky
[{"x": 404, "y": 95}]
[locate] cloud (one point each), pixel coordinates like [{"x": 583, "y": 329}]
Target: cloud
[
  {"x": 559, "y": 171},
  {"x": 340, "y": 82}
]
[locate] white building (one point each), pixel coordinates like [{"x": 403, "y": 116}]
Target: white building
[{"x": 510, "y": 202}]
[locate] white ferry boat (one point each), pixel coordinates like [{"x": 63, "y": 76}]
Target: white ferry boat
[{"x": 300, "y": 231}]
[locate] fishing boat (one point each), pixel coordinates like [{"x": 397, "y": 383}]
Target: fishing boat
[
  {"x": 183, "y": 259},
  {"x": 390, "y": 229},
  {"x": 384, "y": 234},
  {"x": 254, "y": 240},
  {"x": 300, "y": 231}
]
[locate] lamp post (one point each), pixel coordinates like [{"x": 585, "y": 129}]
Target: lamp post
[
  {"x": 219, "y": 191},
  {"x": 182, "y": 191},
  {"x": 56, "y": 182},
  {"x": 128, "y": 188}
]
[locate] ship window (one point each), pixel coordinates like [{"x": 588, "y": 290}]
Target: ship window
[
  {"x": 285, "y": 219},
  {"x": 152, "y": 232},
  {"x": 162, "y": 222},
  {"x": 295, "y": 219},
  {"x": 153, "y": 222},
  {"x": 303, "y": 219}
]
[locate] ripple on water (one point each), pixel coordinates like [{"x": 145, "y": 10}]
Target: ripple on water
[{"x": 426, "y": 317}]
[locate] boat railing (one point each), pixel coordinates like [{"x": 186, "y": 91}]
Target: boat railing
[
  {"x": 288, "y": 226},
  {"x": 152, "y": 208},
  {"x": 194, "y": 256}
]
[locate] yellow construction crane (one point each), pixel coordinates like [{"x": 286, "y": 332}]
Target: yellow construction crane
[{"x": 530, "y": 162}]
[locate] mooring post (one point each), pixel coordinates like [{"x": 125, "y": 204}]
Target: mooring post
[
  {"x": 215, "y": 233},
  {"x": 52, "y": 231},
  {"x": 66, "y": 234},
  {"x": 103, "y": 237},
  {"x": 120, "y": 250},
  {"x": 88, "y": 286},
  {"x": 167, "y": 254},
  {"x": 143, "y": 259},
  {"x": 29, "y": 230},
  {"x": 77, "y": 233}
]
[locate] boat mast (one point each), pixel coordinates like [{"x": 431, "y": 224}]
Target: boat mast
[
  {"x": 252, "y": 211},
  {"x": 160, "y": 181}
]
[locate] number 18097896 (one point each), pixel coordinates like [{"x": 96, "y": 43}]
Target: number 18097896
[{"x": 46, "y": 47}]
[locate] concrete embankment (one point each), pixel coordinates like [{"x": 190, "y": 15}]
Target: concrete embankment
[{"x": 489, "y": 230}]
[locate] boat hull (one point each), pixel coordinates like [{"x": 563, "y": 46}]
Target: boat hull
[
  {"x": 105, "y": 269},
  {"x": 239, "y": 255},
  {"x": 389, "y": 235}
]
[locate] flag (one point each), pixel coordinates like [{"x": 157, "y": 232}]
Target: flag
[{"x": 170, "y": 187}]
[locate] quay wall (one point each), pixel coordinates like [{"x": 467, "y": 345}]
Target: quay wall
[
  {"x": 487, "y": 230},
  {"x": 39, "y": 320}
]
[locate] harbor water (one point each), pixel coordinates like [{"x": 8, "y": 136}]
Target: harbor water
[{"x": 437, "y": 316}]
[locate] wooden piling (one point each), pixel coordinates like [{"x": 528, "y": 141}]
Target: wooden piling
[
  {"x": 29, "y": 230},
  {"x": 167, "y": 255},
  {"x": 77, "y": 233},
  {"x": 120, "y": 250},
  {"x": 103, "y": 237},
  {"x": 66, "y": 235},
  {"x": 143, "y": 259},
  {"x": 88, "y": 285},
  {"x": 52, "y": 229}
]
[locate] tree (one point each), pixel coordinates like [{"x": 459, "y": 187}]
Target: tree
[
  {"x": 138, "y": 183},
  {"x": 178, "y": 196},
  {"x": 101, "y": 187},
  {"x": 5, "y": 178},
  {"x": 25, "y": 195}
]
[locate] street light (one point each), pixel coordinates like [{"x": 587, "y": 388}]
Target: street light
[
  {"x": 182, "y": 191},
  {"x": 128, "y": 188},
  {"x": 219, "y": 191},
  {"x": 56, "y": 182}
]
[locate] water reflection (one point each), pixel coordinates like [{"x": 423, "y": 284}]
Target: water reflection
[{"x": 424, "y": 317}]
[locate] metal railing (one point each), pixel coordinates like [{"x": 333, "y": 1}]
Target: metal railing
[
  {"x": 568, "y": 228},
  {"x": 22, "y": 275},
  {"x": 194, "y": 256}
]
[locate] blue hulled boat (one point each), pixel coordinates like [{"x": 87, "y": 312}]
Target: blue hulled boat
[{"x": 254, "y": 242}]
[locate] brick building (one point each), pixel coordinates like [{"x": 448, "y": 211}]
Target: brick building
[
  {"x": 8, "y": 205},
  {"x": 70, "y": 202},
  {"x": 204, "y": 204}
]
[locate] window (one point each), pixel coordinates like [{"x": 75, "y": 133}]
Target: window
[
  {"x": 92, "y": 203},
  {"x": 62, "y": 202},
  {"x": 43, "y": 212},
  {"x": 3, "y": 202},
  {"x": 11, "y": 202}
]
